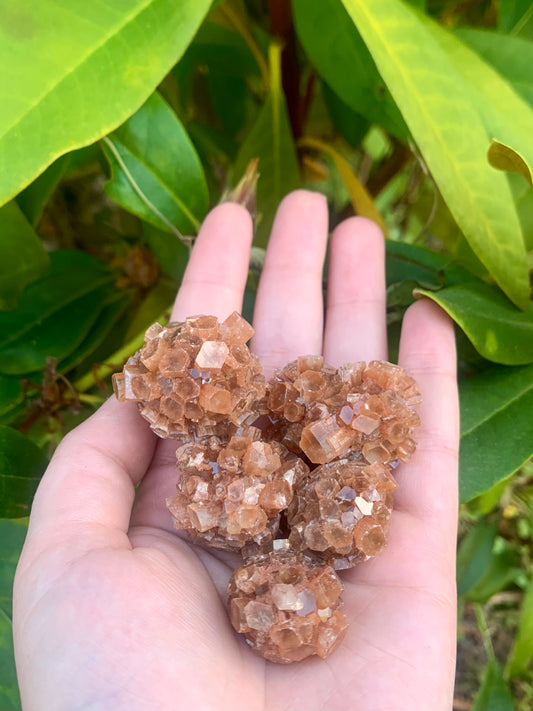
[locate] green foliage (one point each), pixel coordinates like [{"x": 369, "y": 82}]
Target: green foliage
[
  {"x": 69, "y": 63},
  {"x": 123, "y": 123}
]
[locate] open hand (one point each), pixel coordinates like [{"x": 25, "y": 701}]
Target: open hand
[{"x": 114, "y": 611}]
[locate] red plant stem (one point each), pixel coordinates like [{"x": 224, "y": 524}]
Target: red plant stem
[{"x": 281, "y": 25}]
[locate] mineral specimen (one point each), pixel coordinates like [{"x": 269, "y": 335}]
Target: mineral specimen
[
  {"x": 232, "y": 494},
  {"x": 326, "y": 413},
  {"x": 342, "y": 511},
  {"x": 287, "y": 605},
  {"x": 296, "y": 475},
  {"x": 194, "y": 378}
]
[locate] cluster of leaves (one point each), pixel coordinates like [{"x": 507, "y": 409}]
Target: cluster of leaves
[{"x": 122, "y": 123}]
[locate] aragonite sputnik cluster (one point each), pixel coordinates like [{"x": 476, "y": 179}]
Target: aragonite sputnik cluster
[{"x": 295, "y": 474}]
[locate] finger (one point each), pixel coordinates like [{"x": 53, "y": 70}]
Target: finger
[
  {"x": 214, "y": 284},
  {"x": 89, "y": 485},
  {"x": 288, "y": 316},
  {"x": 428, "y": 483},
  {"x": 355, "y": 314},
  {"x": 216, "y": 274}
]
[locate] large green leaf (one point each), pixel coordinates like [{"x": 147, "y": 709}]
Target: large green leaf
[
  {"x": 511, "y": 56},
  {"x": 498, "y": 330},
  {"x": 436, "y": 103},
  {"x": 72, "y": 274},
  {"x": 22, "y": 255},
  {"x": 496, "y": 427},
  {"x": 156, "y": 172},
  {"x": 72, "y": 72},
  {"x": 506, "y": 115},
  {"x": 271, "y": 141},
  {"x": 21, "y": 466},
  {"x": 342, "y": 59}
]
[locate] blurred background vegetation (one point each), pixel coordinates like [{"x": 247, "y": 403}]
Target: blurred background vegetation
[{"x": 122, "y": 123}]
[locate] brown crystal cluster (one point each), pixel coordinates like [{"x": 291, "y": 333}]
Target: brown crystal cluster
[
  {"x": 288, "y": 605},
  {"x": 296, "y": 475},
  {"x": 195, "y": 377},
  {"x": 231, "y": 494}
]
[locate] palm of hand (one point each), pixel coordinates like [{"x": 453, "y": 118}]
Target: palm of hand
[{"x": 113, "y": 611}]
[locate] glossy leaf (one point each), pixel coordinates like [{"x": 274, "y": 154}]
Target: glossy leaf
[
  {"x": 73, "y": 72},
  {"x": 71, "y": 275},
  {"x": 22, "y": 255},
  {"x": 496, "y": 427},
  {"x": 359, "y": 196},
  {"x": 270, "y": 140},
  {"x": 474, "y": 556},
  {"x": 437, "y": 106},
  {"x": 156, "y": 173},
  {"x": 21, "y": 465},
  {"x": 494, "y": 694},
  {"x": 522, "y": 650},
  {"x": 506, "y": 158},
  {"x": 511, "y": 56},
  {"x": 344, "y": 62},
  {"x": 498, "y": 330}
]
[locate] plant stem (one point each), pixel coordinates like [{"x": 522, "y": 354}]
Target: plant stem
[{"x": 281, "y": 25}]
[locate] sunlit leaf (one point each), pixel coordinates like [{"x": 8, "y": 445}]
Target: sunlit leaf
[
  {"x": 437, "y": 106},
  {"x": 73, "y": 72}
]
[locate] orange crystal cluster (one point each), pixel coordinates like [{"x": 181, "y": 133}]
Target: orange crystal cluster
[
  {"x": 231, "y": 494},
  {"x": 326, "y": 413},
  {"x": 342, "y": 511},
  {"x": 288, "y": 605},
  {"x": 195, "y": 377},
  {"x": 295, "y": 474}
]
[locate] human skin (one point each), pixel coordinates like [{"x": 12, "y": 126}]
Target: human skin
[{"x": 113, "y": 610}]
